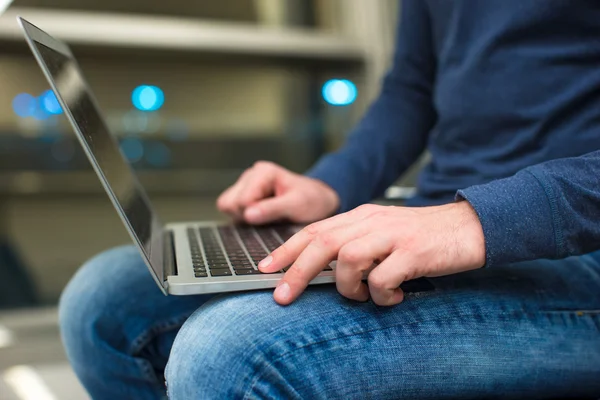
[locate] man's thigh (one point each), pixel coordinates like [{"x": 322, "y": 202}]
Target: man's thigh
[{"x": 529, "y": 329}]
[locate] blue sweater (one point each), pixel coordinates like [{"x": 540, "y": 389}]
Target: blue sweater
[{"x": 495, "y": 90}]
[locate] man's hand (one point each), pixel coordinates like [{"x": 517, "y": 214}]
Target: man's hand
[
  {"x": 391, "y": 244},
  {"x": 267, "y": 192}
]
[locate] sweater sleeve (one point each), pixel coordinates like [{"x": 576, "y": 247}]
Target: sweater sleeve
[
  {"x": 393, "y": 132},
  {"x": 550, "y": 210}
]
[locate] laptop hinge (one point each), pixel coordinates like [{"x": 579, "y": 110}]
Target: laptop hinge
[{"x": 169, "y": 255}]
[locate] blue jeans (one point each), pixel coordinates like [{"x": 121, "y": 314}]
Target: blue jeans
[{"x": 528, "y": 330}]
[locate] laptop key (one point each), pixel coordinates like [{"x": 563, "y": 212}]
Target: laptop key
[
  {"x": 200, "y": 274},
  {"x": 268, "y": 238},
  {"x": 218, "y": 265},
  {"x": 247, "y": 272},
  {"x": 284, "y": 232},
  {"x": 220, "y": 272},
  {"x": 242, "y": 267}
]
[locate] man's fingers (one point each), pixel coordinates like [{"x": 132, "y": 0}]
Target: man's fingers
[
  {"x": 288, "y": 252},
  {"x": 254, "y": 184},
  {"x": 316, "y": 256},
  {"x": 227, "y": 201},
  {"x": 259, "y": 184},
  {"x": 269, "y": 210},
  {"x": 355, "y": 259},
  {"x": 385, "y": 279}
]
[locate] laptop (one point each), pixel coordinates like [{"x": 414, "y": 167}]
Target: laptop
[{"x": 183, "y": 258}]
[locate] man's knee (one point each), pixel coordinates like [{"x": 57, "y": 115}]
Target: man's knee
[{"x": 222, "y": 347}]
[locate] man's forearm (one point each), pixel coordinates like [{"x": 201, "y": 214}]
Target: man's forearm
[{"x": 550, "y": 210}]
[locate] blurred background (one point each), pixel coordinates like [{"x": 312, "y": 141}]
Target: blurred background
[{"x": 196, "y": 91}]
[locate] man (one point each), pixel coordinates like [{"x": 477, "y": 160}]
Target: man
[{"x": 495, "y": 90}]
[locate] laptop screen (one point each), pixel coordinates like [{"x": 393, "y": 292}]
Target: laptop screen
[{"x": 102, "y": 146}]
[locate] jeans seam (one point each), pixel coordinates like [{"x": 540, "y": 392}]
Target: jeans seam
[
  {"x": 283, "y": 355},
  {"x": 147, "y": 335},
  {"x": 579, "y": 312},
  {"x": 248, "y": 392},
  {"x": 144, "y": 338}
]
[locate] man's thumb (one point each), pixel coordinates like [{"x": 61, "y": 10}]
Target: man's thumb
[{"x": 269, "y": 210}]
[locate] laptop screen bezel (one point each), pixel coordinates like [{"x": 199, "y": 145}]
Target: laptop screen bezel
[{"x": 155, "y": 257}]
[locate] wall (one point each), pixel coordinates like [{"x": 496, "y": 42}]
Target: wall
[{"x": 212, "y": 98}]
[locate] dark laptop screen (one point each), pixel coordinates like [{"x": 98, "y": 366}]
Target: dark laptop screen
[{"x": 102, "y": 145}]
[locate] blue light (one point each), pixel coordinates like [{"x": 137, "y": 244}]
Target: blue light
[
  {"x": 24, "y": 105},
  {"x": 39, "y": 112},
  {"x": 147, "y": 98},
  {"x": 157, "y": 154},
  {"x": 339, "y": 92},
  {"x": 135, "y": 121},
  {"x": 133, "y": 149},
  {"x": 50, "y": 103}
]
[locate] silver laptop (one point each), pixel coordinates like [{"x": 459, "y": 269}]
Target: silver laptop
[{"x": 183, "y": 258}]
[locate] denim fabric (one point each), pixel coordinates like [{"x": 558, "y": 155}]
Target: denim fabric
[{"x": 527, "y": 330}]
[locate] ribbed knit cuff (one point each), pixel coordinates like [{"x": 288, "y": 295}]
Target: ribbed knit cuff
[{"x": 518, "y": 218}]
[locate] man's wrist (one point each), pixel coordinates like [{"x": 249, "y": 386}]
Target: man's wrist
[
  {"x": 332, "y": 199},
  {"x": 469, "y": 238}
]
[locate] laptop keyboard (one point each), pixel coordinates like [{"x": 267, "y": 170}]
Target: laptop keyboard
[{"x": 233, "y": 250}]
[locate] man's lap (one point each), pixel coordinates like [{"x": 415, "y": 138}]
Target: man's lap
[{"x": 528, "y": 328}]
